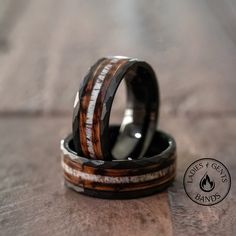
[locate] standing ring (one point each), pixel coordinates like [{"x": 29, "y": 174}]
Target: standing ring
[{"x": 93, "y": 105}]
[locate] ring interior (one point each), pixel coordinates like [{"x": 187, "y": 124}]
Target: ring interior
[
  {"x": 161, "y": 142},
  {"x": 139, "y": 121}
]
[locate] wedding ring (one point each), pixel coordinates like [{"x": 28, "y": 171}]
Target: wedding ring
[
  {"x": 121, "y": 178},
  {"x": 93, "y": 103}
]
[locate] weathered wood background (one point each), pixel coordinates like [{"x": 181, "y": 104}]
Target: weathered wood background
[{"x": 46, "y": 47}]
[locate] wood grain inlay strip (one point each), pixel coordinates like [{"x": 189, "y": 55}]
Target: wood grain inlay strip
[{"x": 118, "y": 179}]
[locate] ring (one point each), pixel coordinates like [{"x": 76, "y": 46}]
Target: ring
[
  {"x": 121, "y": 178},
  {"x": 93, "y": 105}
]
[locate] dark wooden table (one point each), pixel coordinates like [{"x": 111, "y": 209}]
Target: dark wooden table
[{"x": 46, "y": 47}]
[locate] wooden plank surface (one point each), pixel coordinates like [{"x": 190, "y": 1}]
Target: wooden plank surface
[
  {"x": 198, "y": 138},
  {"x": 46, "y": 47},
  {"x": 34, "y": 200},
  {"x": 50, "y": 44}
]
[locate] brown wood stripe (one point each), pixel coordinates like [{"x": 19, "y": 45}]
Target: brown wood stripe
[
  {"x": 119, "y": 187},
  {"x": 84, "y": 106},
  {"x": 114, "y": 172},
  {"x": 123, "y": 183},
  {"x": 96, "y": 131}
]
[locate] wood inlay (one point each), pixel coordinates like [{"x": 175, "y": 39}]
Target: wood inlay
[
  {"x": 90, "y": 130},
  {"x": 80, "y": 175},
  {"x": 85, "y": 99}
]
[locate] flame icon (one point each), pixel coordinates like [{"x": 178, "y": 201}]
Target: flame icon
[{"x": 206, "y": 184}]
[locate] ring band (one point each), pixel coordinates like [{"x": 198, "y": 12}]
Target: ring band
[
  {"x": 93, "y": 104},
  {"x": 121, "y": 178}
]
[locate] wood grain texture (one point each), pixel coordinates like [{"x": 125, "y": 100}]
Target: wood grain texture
[
  {"x": 51, "y": 44},
  {"x": 94, "y": 98},
  {"x": 46, "y": 47},
  {"x": 199, "y": 138}
]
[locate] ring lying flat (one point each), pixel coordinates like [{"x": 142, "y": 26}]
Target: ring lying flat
[
  {"x": 93, "y": 104},
  {"x": 121, "y": 178}
]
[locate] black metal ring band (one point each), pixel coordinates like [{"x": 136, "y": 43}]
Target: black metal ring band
[
  {"x": 93, "y": 104},
  {"x": 121, "y": 178}
]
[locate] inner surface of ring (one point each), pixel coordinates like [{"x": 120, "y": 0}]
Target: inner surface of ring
[
  {"x": 159, "y": 138},
  {"x": 140, "y": 114}
]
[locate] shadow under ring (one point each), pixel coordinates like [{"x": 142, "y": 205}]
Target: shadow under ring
[{"x": 121, "y": 179}]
